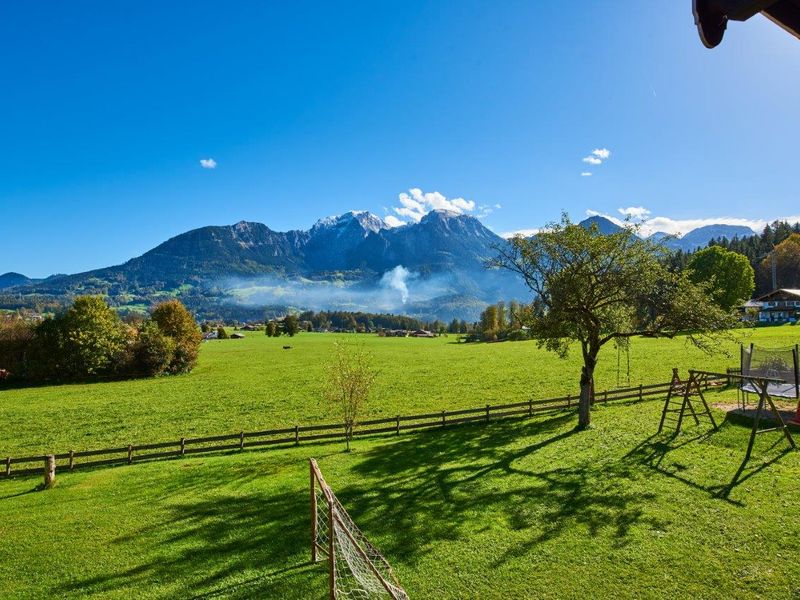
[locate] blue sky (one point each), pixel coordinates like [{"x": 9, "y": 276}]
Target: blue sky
[{"x": 312, "y": 109}]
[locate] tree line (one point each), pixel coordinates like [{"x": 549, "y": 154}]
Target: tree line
[
  {"x": 358, "y": 321},
  {"x": 89, "y": 341}
]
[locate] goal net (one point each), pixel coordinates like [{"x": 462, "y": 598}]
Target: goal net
[
  {"x": 356, "y": 569},
  {"x": 775, "y": 363}
]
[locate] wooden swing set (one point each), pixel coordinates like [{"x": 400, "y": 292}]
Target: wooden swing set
[{"x": 682, "y": 392}]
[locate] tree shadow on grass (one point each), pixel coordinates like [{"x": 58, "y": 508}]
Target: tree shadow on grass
[
  {"x": 223, "y": 536},
  {"x": 441, "y": 485},
  {"x": 237, "y": 545},
  {"x": 653, "y": 452}
]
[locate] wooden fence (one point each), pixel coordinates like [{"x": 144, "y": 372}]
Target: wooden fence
[{"x": 293, "y": 436}]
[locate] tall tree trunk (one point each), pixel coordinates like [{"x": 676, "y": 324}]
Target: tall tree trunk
[{"x": 587, "y": 386}]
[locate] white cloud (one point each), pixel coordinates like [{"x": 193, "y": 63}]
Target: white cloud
[
  {"x": 208, "y": 163},
  {"x": 595, "y": 158},
  {"x": 498, "y": 206},
  {"x": 416, "y": 204},
  {"x": 393, "y": 221},
  {"x": 634, "y": 212}
]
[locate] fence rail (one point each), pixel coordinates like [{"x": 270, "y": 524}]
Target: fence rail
[{"x": 289, "y": 436}]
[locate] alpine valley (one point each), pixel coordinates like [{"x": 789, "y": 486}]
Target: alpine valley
[{"x": 433, "y": 269}]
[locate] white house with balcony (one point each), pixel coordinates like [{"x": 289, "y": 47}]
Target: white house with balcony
[{"x": 779, "y": 306}]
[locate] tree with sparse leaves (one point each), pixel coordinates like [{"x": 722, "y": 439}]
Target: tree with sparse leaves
[
  {"x": 594, "y": 289},
  {"x": 349, "y": 381}
]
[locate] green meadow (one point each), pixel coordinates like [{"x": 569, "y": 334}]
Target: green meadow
[
  {"x": 524, "y": 508},
  {"x": 253, "y": 384}
]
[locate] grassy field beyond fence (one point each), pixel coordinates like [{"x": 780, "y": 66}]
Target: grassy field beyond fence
[{"x": 253, "y": 384}]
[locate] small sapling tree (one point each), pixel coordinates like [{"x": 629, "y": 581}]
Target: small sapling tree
[
  {"x": 593, "y": 289},
  {"x": 349, "y": 381}
]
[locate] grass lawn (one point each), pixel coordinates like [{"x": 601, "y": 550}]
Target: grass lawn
[
  {"x": 254, "y": 384},
  {"x": 514, "y": 509}
]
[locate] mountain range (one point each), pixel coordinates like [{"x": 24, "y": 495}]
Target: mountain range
[
  {"x": 691, "y": 241},
  {"x": 434, "y": 268}
]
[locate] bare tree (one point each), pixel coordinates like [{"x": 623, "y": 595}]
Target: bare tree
[{"x": 350, "y": 377}]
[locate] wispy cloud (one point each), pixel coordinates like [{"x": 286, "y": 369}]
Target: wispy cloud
[
  {"x": 415, "y": 204},
  {"x": 592, "y": 160},
  {"x": 208, "y": 163},
  {"x": 586, "y": 174},
  {"x": 601, "y": 153}
]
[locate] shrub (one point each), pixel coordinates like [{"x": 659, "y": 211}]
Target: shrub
[
  {"x": 221, "y": 333},
  {"x": 87, "y": 341},
  {"x": 176, "y": 322},
  {"x": 154, "y": 351}
]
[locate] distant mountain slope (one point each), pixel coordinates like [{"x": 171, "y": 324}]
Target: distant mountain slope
[
  {"x": 604, "y": 225},
  {"x": 12, "y": 279},
  {"x": 436, "y": 267},
  {"x": 695, "y": 239},
  {"x": 350, "y": 260},
  {"x": 699, "y": 238}
]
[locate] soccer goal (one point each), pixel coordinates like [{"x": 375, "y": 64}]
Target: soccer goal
[{"x": 356, "y": 569}]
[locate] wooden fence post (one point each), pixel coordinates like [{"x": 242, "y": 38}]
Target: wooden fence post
[
  {"x": 241, "y": 440},
  {"x": 530, "y": 407},
  {"x": 130, "y": 453},
  {"x": 296, "y": 435},
  {"x": 640, "y": 392},
  {"x": 49, "y": 471},
  {"x": 398, "y": 424},
  {"x": 183, "y": 446},
  {"x": 569, "y": 400},
  {"x": 8, "y": 466},
  {"x": 71, "y": 460},
  {"x": 443, "y": 418},
  {"x": 487, "y": 413}
]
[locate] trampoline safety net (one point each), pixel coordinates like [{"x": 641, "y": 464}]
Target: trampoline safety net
[{"x": 777, "y": 363}]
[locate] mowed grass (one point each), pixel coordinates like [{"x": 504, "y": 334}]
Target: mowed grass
[
  {"x": 515, "y": 509},
  {"x": 253, "y": 384}
]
